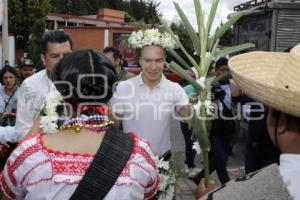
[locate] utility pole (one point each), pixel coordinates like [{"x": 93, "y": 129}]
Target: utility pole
[{"x": 5, "y": 42}]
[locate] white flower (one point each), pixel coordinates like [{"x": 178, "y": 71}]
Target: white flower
[
  {"x": 209, "y": 107},
  {"x": 151, "y": 37},
  {"x": 196, "y": 147},
  {"x": 167, "y": 179},
  {"x": 48, "y": 123},
  {"x": 164, "y": 164},
  {"x": 164, "y": 181},
  {"x": 197, "y": 108},
  {"x": 201, "y": 81}
]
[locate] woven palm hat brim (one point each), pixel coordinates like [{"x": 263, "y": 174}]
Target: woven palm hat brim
[{"x": 270, "y": 77}]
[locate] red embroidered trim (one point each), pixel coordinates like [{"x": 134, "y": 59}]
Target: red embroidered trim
[
  {"x": 145, "y": 154},
  {"x": 19, "y": 161},
  {"x": 70, "y": 167},
  {"x": 140, "y": 150},
  {"x": 60, "y": 153},
  {"x": 6, "y": 189},
  {"x": 152, "y": 192},
  {"x": 33, "y": 168}
]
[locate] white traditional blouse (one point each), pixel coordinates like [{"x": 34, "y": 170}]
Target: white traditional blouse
[{"x": 35, "y": 172}]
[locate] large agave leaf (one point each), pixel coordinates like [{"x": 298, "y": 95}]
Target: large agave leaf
[
  {"x": 211, "y": 57},
  {"x": 169, "y": 30},
  {"x": 181, "y": 72},
  {"x": 230, "y": 50},
  {"x": 200, "y": 18},
  {"x": 212, "y": 15},
  {"x": 179, "y": 58},
  {"x": 225, "y": 27},
  {"x": 189, "y": 28}
]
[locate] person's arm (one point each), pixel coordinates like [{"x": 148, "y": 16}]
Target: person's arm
[
  {"x": 237, "y": 96},
  {"x": 25, "y": 114},
  {"x": 185, "y": 111},
  {"x": 184, "y": 108}
]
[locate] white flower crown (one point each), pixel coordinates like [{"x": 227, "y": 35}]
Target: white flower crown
[
  {"x": 140, "y": 38},
  {"x": 48, "y": 122}
]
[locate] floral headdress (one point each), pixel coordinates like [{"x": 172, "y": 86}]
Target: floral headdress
[
  {"x": 140, "y": 38},
  {"x": 49, "y": 115}
]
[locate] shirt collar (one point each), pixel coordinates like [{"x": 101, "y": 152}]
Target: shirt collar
[
  {"x": 160, "y": 84},
  {"x": 290, "y": 160}
]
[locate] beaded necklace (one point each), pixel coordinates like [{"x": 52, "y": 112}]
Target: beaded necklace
[{"x": 97, "y": 123}]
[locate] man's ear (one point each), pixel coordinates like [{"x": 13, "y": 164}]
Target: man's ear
[
  {"x": 282, "y": 123},
  {"x": 43, "y": 59}
]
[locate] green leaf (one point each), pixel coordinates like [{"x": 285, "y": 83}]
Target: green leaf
[
  {"x": 179, "y": 58},
  {"x": 169, "y": 30},
  {"x": 225, "y": 27},
  {"x": 181, "y": 72},
  {"x": 189, "y": 28},
  {"x": 212, "y": 15},
  {"x": 200, "y": 17},
  {"x": 234, "y": 49}
]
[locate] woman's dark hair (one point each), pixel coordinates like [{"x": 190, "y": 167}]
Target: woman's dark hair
[
  {"x": 90, "y": 75},
  {"x": 10, "y": 70}
]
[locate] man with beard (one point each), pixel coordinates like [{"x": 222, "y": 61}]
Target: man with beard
[{"x": 27, "y": 68}]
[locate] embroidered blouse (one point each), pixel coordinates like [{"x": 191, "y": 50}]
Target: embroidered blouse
[{"x": 34, "y": 171}]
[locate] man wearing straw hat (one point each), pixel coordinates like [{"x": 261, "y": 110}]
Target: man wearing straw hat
[{"x": 273, "y": 79}]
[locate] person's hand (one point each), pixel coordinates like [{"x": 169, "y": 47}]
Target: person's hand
[
  {"x": 202, "y": 190},
  {"x": 5, "y": 114},
  {"x": 193, "y": 100},
  {"x": 235, "y": 90}
]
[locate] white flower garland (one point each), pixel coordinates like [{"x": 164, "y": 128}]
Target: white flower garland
[
  {"x": 196, "y": 147},
  {"x": 140, "y": 38},
  {"x": 48, "y": 123},
  {"x": 166, "y": 187}
]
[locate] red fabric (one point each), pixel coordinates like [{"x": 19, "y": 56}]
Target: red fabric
[{"x": 99, "y": 109}]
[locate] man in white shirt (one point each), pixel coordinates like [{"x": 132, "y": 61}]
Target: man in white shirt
[
  {"x": 55, "y": 44},
  {"x": 146, "y": 103},
  {"x": 273, "y": 79}
]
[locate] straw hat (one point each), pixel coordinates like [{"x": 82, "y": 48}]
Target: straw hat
[{"x": 270, "y": 77}]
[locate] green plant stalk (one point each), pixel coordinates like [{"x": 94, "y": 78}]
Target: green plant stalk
[
  {"x": 208, "y": 45},
  {"x": 203, "y": 128}
]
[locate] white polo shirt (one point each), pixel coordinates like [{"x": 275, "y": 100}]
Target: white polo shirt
[
  {"x": 30, "y": 101},
  {"x": 149, "y": 112}
]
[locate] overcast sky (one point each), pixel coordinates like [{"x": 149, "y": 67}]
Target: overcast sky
[{"x": 169, "y": 13}]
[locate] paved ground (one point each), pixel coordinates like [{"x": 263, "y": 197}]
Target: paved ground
[{"x": 184, "y": 187}]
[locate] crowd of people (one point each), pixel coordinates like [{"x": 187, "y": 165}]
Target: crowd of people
[{"x": 88, "y": 129}]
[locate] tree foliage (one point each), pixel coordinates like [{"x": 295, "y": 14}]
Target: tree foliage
[
  {"x": 179, "y": 29},
  {"x": 23, "y": 15},
  {"x": 135, "y": 10},
  {"x": 34, "y": 49}
]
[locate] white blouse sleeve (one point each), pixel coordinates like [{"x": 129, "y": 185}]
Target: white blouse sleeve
[{"x": 15, "y": 169}]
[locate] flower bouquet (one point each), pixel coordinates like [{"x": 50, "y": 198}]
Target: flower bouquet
[{"x": 167, "y": 175}]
